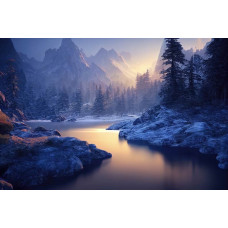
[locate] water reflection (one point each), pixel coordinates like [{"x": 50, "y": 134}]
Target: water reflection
[{"x": 135, "y": 166}]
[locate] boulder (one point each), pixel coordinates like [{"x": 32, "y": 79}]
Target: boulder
[
  {"x": 58, "y": 119},
  {"x": 120, "y": 125},
  {"x": 72, "y": 120},
  {"x": 42, "y": 129},
  {"x": 5, "y": 124},
  {"x": 4, "y": 185},
  {"x": 34, "y": 161},
  {"x": 23, "y": 131}
]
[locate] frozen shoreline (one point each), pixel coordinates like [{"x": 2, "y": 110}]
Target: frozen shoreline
[
  {"x": 32, "y": 157},
  {"x": 205, "y": 130},
  {"x": 91, "y": 119}
]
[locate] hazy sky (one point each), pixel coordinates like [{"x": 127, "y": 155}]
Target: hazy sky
[{"x": 144, "y": 51}]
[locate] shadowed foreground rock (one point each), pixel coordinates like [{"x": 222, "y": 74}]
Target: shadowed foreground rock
[
  {"x": 31, "y": 158},
  {"x": 4, "y": 185},
  {"x": 5, "y": 125}
]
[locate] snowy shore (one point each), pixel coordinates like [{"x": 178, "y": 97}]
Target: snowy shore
[
  {"x": 206, "y": 130},
  {"x": 33, "y": 157},
  {"x": 74, "y": 118}
]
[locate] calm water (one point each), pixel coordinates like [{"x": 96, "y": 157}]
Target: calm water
[{"x": 138, "y": 166}]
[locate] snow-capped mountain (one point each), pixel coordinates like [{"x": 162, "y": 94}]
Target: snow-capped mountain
[
  {"x": 126, "y": 55},
  {"x": 67, "y": 67},
  {"x": 114, "y": 65}
]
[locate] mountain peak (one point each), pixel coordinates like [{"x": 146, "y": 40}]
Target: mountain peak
[
  {"x": 67, "y": 42},
  {"x": 102, "y": 51},
  {"x": 110, "y": 54},
  {"x": 112, "y": 51}
]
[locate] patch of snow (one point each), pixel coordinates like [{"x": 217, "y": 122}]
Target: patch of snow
[
  {"x": 38, "y": 121},
  {"x": 165, "y": 127},
  {"x": 197, "y": 127},
  {"x": 105, "y": 118}
]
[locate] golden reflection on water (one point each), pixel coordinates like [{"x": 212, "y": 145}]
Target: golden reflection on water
[
  {"x": 140, "y": 167},
  {"x": 128, "y": 161}
]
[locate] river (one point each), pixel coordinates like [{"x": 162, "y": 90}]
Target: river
[{"x": 135, "y": 166}]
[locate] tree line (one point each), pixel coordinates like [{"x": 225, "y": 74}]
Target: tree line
[
  {"x": 95, "y": 100},
  {"x": 196, "y": 81}
]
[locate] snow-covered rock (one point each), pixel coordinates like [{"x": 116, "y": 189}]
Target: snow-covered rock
[
  {"x": 33, "y": 157},
  {"x": 206, "y": 130},
  {"x": 120, "y": 125},
  {"x": 58, "y": 119},
  {"x": 197, "y": 127}
]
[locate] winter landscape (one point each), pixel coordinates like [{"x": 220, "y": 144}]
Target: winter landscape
[{"x": 114, "y": 114}]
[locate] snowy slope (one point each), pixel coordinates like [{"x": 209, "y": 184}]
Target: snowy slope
[
  {"x": 114, "y": 65},
  {"x": 67, "y": 67}
]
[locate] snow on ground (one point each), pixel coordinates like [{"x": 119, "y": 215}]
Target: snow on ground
[
  {"x": 206, "y": 130},
  {"x": 105, "y": 118},
  {"x": 42, "y": 155},
  {"x": 93, "y": 119},
  {"x": 40, "y": 121}
]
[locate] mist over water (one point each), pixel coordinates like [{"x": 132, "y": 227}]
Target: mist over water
[{"x": 135, "y": 166}]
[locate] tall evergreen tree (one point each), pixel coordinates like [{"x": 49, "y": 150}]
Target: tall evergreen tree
[
  {"x": 77, "y": 102},
  {"x": 29, "y": 102},
  {"x": 217, "y": 70},
  {"x": 108, "y": 101},
  {"x": 98, "y": 106},
  {"x": 42, "y": 108},
  {"x": 173, "y": 85},
  {"x": 120, "y": 105},
  {"x": 192, "y": 75},
  {"x": 63, "y": 101}
]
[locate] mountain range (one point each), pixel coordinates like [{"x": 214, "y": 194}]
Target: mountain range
[{"x": 69, "y": 67}]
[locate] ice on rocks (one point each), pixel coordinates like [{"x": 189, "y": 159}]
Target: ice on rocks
[{"x": 166, "y": 127}]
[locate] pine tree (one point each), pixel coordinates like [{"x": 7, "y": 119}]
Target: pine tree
[
  {"x": 98, "y": 106},
  {"x": 77, "y": 102},
  {"x": 192, "y": 75},
  {"x": 63, "y": 101},
  {"x": 173, "y": 84},
  {"x": 42, "y": 108},
  {"x": 216, "y": 83},
  {"x": 108, "y": 101},
  {"x": 121, "y": 108},
  {"x": 29, "y": 102}
]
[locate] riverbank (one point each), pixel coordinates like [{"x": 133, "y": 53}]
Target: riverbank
[
  {"x": 33, "y": 157},
  {"x": 136, "y": 165},
  {"x": 205, "y": 130}
]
